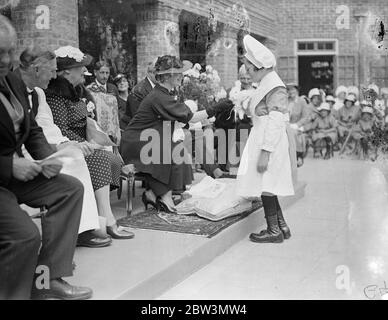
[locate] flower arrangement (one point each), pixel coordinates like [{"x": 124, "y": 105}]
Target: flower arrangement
[
  {"x": 204, "y": 87},
  {"x": 240, "y": 99}
]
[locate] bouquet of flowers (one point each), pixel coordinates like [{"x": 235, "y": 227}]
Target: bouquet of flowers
[
  {"x": 204, "y": 87},
  {"x": 240, "y": 99}
]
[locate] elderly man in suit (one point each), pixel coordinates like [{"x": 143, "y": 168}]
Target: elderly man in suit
[
  {"x": 24, "y": 181},
  {"x": 140, "y": 91}
]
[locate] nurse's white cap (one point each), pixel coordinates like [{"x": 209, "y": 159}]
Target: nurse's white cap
[{"x": 258, "y": 54}]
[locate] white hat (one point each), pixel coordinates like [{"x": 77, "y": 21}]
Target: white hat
[
  {"x": 351, "y": 97},
  {"x": 324, "y": 106},
  {"x": 314, "y": 92},
  {"x": 366, "y": 103},
  {"x": 374, "y": 87},
  {"x": 258, "y": 54},
  {"x": 341, "y": 89},
  {"x": 354, "y": 90},
  {"x": 367, "y": 110},
  {"x": 330, "y": 99},
  {"x": 384, "y": 91}
]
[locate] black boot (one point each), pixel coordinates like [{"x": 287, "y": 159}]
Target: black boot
[
  {"x": 273, "y": 233},
  {"x": 328, "y": 149},
  {"x": 299, "y": 158},
  {"x": 282, "y": 222}
]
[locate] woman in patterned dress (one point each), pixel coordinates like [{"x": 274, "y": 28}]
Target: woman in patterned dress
[{"x": 70, "y": 115}]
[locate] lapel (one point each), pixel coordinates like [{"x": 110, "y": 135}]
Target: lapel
[
  {"x": 21, "y": 94},
  {"x": 6, "y": 123}
]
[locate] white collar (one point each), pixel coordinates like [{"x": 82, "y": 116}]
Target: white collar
[{"x": 150, "y": 81}]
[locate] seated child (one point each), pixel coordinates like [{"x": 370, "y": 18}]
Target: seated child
[
  {"x": 348, "y": 115},
  {"x": 363, "y": 131},
  {"x": 325, "y": 130}
]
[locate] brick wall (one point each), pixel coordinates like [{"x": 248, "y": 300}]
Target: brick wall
[
  {"x": 63, "y": 27},
  {"x": 306, "y": 19},
  {"x": 152, "y": 21}
]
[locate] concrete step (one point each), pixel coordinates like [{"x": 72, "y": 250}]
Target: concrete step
[{"x": 155, "y": 261}]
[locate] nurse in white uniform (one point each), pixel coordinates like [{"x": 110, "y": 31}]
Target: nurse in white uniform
[{"x": 266, "y": 166}]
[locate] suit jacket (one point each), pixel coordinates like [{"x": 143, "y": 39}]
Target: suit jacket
[
  {"x": 139, "y": 92},
  {"x": 32, "y": 135}
]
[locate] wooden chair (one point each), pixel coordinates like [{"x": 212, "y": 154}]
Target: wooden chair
[{"x": 129, "y": 176}]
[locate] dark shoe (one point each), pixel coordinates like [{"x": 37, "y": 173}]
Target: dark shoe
[
  {"x": 60, "y": 289},
  {"x": 90, "y": 240},
  {"x": 161, "y": 206},
  {"x": 120, "y": 233},
  {"x": 147, "y": 201},
  {"x": 271, "y": 235}
]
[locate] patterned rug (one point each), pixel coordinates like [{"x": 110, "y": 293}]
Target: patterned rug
[{"x": 191, "y": 224}]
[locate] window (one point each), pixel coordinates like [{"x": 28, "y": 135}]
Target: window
[{"x": 316, "y": 47}]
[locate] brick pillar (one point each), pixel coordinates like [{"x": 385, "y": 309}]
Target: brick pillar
[
  {"x": 47, "y": 23},
  {"x": 157, "y": 33},
  {"x": 225, "y": 61}
]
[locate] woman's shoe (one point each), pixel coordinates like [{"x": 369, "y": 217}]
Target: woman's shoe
[
  {"x": 119, "y": 233},
  {"x": 147, "y": 201},
  {"x": 161, "y": 206}
]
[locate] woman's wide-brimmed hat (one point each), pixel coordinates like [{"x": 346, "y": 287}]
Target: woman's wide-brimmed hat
[
  {"x": 171, "y": 64},
  {"x": 258, "y": 54},
  {"x": 69, "y": 57},
  {"x": 341, "y": 89}
]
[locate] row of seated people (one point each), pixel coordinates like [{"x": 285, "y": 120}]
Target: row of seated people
[
  {"x": 44, "y": 104},
  {"x": 325, "y": 122}
]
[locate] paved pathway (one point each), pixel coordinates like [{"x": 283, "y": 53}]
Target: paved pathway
[{"x": 339, "y": 248}]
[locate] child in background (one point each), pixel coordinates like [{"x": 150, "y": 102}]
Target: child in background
[
  {"x": 348, "y": 115},
  {"x": 331, "y": 101},
  {"x": 325, "y": 130},
  {"x": 363, "y": 131}
]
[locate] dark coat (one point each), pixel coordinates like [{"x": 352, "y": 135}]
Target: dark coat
[
  {"x": 136, "y": 96},
  {"x": 158, "y": 108},
  {"x": 32, "y": 137}
]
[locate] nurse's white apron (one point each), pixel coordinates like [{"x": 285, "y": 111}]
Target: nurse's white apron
[{"x": 277, "y": 179}]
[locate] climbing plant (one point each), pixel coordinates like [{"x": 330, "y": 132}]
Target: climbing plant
[{"x": 107, "y": 31}]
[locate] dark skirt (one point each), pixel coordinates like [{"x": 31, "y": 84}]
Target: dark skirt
[{"x": 175, "y": 176}]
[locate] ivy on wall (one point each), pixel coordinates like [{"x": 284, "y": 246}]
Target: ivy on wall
[{"x": 107, "y": 31}]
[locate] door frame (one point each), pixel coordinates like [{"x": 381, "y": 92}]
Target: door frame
[{"x": 317, "y": 52}]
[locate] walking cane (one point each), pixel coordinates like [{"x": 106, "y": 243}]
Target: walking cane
[{"x": 346, "y": 140}]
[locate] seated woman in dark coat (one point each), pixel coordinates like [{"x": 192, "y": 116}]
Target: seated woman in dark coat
[
  {"x": 156, "y": 119},
  {"x": 70, "y": 115}
]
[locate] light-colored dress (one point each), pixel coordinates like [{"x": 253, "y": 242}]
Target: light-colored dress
[
  {"x": 78, "y": 168},
  {"x": 269, "y": 132},
  {"x": 107, "y": 110}
]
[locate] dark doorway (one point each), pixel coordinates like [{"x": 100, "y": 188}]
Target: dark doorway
[
  {"x": 315, "y": 72},
  {"x": 196, "y": 37}
]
